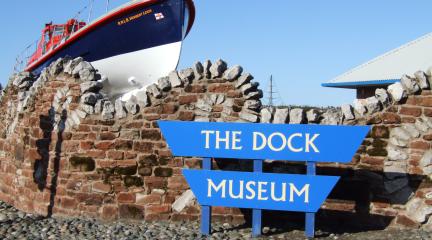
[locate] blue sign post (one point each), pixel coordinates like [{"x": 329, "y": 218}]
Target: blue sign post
[{"x": 257, "y": 142}]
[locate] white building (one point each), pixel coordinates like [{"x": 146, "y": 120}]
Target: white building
[{"x": 387, "y": 68}]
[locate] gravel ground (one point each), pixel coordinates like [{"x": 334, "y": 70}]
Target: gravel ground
[{"x": 15, "y": 224}]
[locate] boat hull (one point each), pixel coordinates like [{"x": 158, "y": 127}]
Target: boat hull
[
  {"x": 135, "y": 70},
  {"x": 132, "y": 50}
]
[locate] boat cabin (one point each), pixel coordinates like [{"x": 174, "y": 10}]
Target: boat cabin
[{"x": 53, "y": 35}]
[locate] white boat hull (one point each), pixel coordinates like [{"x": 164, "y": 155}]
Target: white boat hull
[{"x": 135, "y": 70}]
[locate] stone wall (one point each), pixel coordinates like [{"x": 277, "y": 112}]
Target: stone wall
[
  {"x": 67, "y": 149},
  {"x": 392, "y": 169}
]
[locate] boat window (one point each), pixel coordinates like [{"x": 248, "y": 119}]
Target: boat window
[
  {"x": 58, "y": 31},
  {"x": 46, "y": 40}
]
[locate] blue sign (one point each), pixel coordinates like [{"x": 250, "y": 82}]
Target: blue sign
[
  {"x": 289, "y": 192},
  {"x": 293, "y": 142},
  {"x": 257, "y": 190}
]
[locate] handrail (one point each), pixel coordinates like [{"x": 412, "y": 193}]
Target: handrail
[{"x": 22, "y": 59}]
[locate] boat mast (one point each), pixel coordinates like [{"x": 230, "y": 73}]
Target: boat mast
[
  {"x": 107, "y": 5},
  {"x": 91, "y": 10}
]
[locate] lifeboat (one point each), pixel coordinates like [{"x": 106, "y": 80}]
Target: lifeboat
[{"x": 131, "y": 46}]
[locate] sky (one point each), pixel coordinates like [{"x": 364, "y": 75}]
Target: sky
[{"x": 302, "y": 43}]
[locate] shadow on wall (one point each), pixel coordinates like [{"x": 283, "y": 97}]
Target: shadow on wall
[
  {"x": 41, "y": 167},
  {"x": 349, "y": 202}
]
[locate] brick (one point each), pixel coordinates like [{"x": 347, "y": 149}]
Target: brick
[
  {"x": 145, "y": 171},
  {"x": 177, "y": 183},
  {"x": 372, "y": 160},
  {"x": 195, "y": 89},
  {"x": 188, "y": 99},
  {"x": 157, "y": 209},
  {"x": 79, "y": 136},
  {"x": 132, "y": 134},
  {"x": 130, "y": 155},
  {"x": 152, "y": 182},
  {"x": 406, "y": 221},
  {"x": 345, "y": 206},
  {"x": 427, "y": 137},
  {"x": 86, "y": 145},
  {"x": 89, "y": 199},
  {"x": 163, "y": 172},
  {"x": 413, "y": 100},
  {"x": 377, "y": 151},
  {"x": 221, "y": 210},
  {"x": 133, "y": 181},
  {"x": 151, "y": 134},
  {"x": 107, "y": 136},
  {"x": 126, "y": 197},
  {"x": 130, "y": 211},
  {"x": 120, "y": 144},
  {"x": 82, "y": 163},
  {"x": 195, "y": 210},
  {"x": 101, "y": 187},
  {"x": 84, "y": 128},
  {"x": 169, "y": 108},
  {"x": 134, "y": 124},
  {"x": 115, "y": 155},
  {"x": 425, "y": 101},
  {"x": 420, "y": 145},
  {"x": 152, "y": 110},
  {"x": 412, "y": 111},
  {"x": 126, "y": 168},
  {"x": 380, "y": 132},
  {"x": 104, "y": 145},
  {"x": 165, "y": 153},
  {"x": 144, "y": 147},
  {"x": 234, "y": 94},
  {"x": 148, "y": 199},
  {"x": 157, "y": 217},
  {"x": 70, "y": 146},
  {"x": 390, "y": 118},
  {"x": 408, "y": 120},
  {"x": 164, "y": 160},
  {"x": 415, "y": 171},
  {"x": 32, "y": 155},
  {"x": 427, "y": 112},
  {"x": 66, "y": 135},
  {"x": 68, "y": 203},
  {"x": 186, "y": 116},
  {"x": 220, "y": 88},
  {"x": 152, "y": 117},
  {"x": 107, "y": 122},
  {"x": 100, "y": 154},
  {"x": 183, "y": 217}
]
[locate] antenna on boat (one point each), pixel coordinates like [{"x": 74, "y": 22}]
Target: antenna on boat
[
  {"x": 91, "y": 10},
  {"x": 107, "y": 5}
]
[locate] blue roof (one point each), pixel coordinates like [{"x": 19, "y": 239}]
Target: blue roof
[{"x": 373, "y": 83}]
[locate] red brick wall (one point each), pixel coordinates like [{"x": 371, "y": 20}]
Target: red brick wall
[{"x": 109, "y": 169}]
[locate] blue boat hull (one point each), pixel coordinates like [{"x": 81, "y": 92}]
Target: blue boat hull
[{"x": 145, "y": 28}]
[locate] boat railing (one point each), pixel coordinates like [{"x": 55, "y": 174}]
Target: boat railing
[{"x": 23, "y": 59}]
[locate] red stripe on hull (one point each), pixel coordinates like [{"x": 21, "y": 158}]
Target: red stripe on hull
[{"x": 106, "y": 20}]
